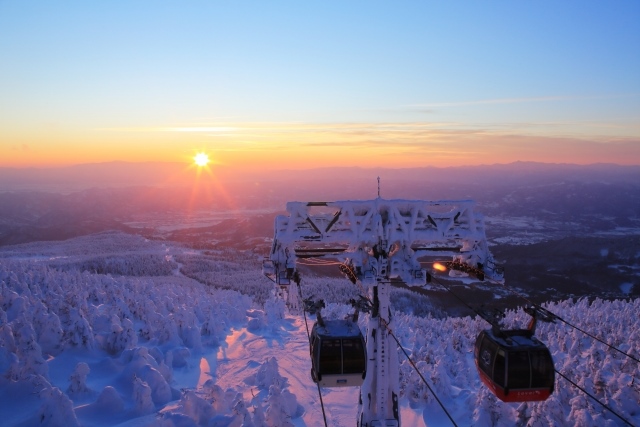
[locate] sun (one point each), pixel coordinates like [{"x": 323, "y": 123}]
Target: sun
[{"x": 201, "y": 159}]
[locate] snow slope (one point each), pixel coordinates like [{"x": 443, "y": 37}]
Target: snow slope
[{"x": 106, "y": 330}]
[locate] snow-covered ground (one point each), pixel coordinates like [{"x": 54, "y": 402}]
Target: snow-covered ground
[{"x": 106, "y": 330}]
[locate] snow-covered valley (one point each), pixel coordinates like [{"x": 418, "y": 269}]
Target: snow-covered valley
[{"x": 113, "y": 329}]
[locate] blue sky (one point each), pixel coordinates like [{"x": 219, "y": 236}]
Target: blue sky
[{"x": 89, "y": 73}]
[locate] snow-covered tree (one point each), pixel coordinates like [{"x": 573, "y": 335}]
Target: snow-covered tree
[
  {"x": 56, "y": 409},
  {"x": 29, "y": 354},
  {"x": 278, "y": 408},
  {"x": 142, "y": 401},
  {"x": 110, "y": 401},
  {"x": 78, "y": 381},
  {"x": 269, "y": 374}
]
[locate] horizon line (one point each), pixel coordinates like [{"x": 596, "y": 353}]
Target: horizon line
[{"x": 227, "y": 167}]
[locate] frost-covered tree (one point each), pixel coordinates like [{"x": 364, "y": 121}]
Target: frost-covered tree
[
  {"x": 258, "y": 416},
  {"x": 196, "y": 408},
  {"x": 29, "y": 354},
  {"x": 50, "y": 333},
  {"x": 161, "y": 322},
  {"x": 275, "y": 310},
  {"x": 160, "y": 389},
  {"x": 580, "y": 411},
  {"x": 278, "y": 408},
  {"x": 77, "y": 331},
  {"x": 110, "y": 401},
  {"x": 78, "y": 381},
  {"x": 121, "y": 337},
  {"x": 8, "y": 349},
  {"x": 241, "y": 415},
  {"x": 626, "y": 399},
  {"x": 269, "y": 374},
  {"x": 486, "y": 409},
  {"x": 56, "y": 409},
  {"x": 142, "y": 401}
]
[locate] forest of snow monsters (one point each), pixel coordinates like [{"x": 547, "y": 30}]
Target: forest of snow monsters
[{"x": 142, "y": 307}]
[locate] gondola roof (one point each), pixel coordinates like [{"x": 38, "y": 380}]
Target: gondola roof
[
  {"x": 338, "y": 329},
  {"x": 514, "y": 339}
]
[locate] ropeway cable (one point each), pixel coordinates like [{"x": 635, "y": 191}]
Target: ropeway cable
[
  {"x": 304, "y": 312},
  {"x": 459, "y": 299},
  {"x": 558, "y": 372},
  {"x": 418, "y": 371},
  {"x": 386, "y": 325},
  {"x": 588, "y": 334},
  {"x": 539, "y": 307},
  {"x": 595, "y": 398},
  {"x": 555, "y": 316}
]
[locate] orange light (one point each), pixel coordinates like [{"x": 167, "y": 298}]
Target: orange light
[{"x": 439, "y": 267}]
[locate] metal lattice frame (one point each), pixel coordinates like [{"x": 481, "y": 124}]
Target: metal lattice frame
[{"x": 379, "y": 241}]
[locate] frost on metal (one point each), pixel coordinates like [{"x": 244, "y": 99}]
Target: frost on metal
[
  {"x": 361, "y": 233},
  {"x": 379, "y": 242}
]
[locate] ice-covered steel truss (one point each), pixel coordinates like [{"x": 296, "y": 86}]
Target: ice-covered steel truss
[
  {"x": 358, "y": 232},
  {"x": 380, "y": 242}
]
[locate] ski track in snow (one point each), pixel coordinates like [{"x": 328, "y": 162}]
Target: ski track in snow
[
  {"x": 244, "y": 351},
  {"x": 240, "y": 357}
]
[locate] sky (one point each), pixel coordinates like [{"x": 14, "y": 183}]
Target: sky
[{"x": 297, "y": 84}]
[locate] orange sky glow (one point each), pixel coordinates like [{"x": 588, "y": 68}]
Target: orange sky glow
[{"x": 301, "y": 146}]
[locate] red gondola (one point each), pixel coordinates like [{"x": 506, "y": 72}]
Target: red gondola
[{"x": 514, "y": 364}]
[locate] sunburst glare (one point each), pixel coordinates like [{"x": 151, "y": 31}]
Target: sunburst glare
[{"x": 201, "y": 159}]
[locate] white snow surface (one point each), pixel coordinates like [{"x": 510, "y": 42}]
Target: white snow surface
[{"x": 106, "y": 330}]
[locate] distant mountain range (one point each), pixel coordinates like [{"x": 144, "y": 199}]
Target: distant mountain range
[
  {"x": 564, "y": 199},
  {"x": 168, "y": 174},
  {"x": 541, "y": 218}
]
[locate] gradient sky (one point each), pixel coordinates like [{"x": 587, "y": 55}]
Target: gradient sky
[{"x": 296, "y": 84}]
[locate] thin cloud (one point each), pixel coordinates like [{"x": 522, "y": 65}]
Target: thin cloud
[
  {"x": 201, "y": 129},
  {"x": 391, "y": 136},
  {"x": 491, "y": 101},
  {"x": 515, "y": 100}
]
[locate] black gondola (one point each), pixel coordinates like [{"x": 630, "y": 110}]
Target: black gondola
[
  {"x": 338, "y": 353},
  {"x": 515, "y": 365}
]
